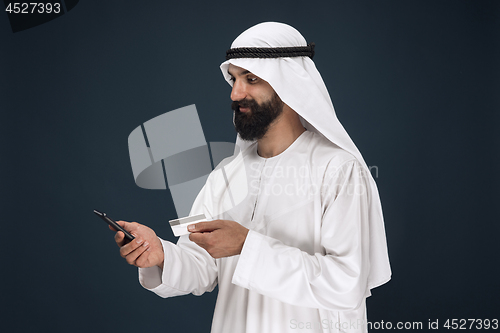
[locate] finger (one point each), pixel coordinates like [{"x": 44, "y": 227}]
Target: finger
[
  {"x": 204, "y": 226},
  {"x": 132, "y": 256},
  {"x": 126, "y": 249},
  {"x": 125, "y": 225},
  {"x": 129, "y": 226},
  {"x": 200, "y": 239},
  {"x": 142, "y": 260},
  {"x": 110, "y": 227},
  {"x": 120, "y": 238},
  {"x": 194, "y": 237}
]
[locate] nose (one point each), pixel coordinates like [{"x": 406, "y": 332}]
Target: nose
[{"x": 239, "y": 92}]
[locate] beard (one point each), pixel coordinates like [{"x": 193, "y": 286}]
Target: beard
[{"x": 253, "y": 125}]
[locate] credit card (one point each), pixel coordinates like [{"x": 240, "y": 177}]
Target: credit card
[{"x": 179, "y": 226}]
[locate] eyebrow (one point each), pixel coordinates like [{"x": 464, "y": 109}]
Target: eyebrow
[{"x": 242, "y": 73}]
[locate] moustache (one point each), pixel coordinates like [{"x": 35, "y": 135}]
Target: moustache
[{"x": 235, "y": 105}]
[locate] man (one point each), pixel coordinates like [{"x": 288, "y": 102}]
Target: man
[{"x": 305, "y": 245}]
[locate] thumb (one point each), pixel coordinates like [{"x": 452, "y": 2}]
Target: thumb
[
  {"x": 129, "y": 226},
  {"x": 203, "y": 226},
  {"x": 120, "y": 223}
]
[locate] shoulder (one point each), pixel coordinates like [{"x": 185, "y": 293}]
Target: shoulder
[
  {"x": 231, "y": 165},
  {"x": 326, "y": 153}
]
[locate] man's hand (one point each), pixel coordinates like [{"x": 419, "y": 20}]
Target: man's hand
[
  {"x": 145, "y": 250},
  {"x": 220, "y": 238}
]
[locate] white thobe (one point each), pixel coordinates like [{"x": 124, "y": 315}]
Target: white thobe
[{"x": 305, "y": 261}]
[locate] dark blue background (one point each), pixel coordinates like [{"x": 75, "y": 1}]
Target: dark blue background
[{"x": 415, "y": 83}]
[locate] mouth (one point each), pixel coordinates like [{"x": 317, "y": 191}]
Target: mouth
[
  {"x": 241, "y": 106},
  {"x": 244, "y": 109}
]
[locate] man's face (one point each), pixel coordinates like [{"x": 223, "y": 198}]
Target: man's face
[{"x": 255, "y": 103}]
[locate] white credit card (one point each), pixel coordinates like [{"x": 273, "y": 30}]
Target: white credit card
[{"x": 179, "y": 226}]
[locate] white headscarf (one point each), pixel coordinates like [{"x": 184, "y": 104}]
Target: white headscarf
[{"x": 299, "y": 84}]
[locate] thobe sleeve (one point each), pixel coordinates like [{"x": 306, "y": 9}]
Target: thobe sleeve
[
  {"x": 335, "y": 278},
  {"x": 187, "y": 268}
]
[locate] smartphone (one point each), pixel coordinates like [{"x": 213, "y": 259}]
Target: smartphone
[{"x": 128, "y": 237}]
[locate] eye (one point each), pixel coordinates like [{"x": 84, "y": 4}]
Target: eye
[
  {"x": 252, "y": 79},
  {"x": 231, "y": 79}
]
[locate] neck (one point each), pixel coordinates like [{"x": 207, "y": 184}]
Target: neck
[{"x": 281, "y": 134}]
